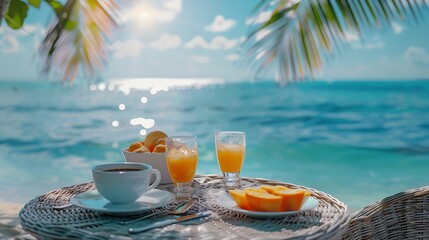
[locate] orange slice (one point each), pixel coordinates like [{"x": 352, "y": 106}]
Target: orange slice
[
  {"x": 271, "y": 188},
  {"x": 160, "y": 141},
  {"x": 152, "y": 138},
  {"x": 255, "y": 189},
  {"x": 292, "y": 199},
  {"x": 160, "y": 148},
  {"x": 141, "y": 149},
  {"x": 239, "y": 197},
  {"x": 264, "y": 202},
  {"x": 134, "y": 146}
]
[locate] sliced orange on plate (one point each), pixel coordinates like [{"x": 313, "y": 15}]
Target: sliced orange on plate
[
  {"x": 264, "y": 202},
  {"x": 292, "y": 198},
  {"x": 240, "y": 198},
  {"x": 271, "y": 188},
  {"x": 267, "y": 198}
]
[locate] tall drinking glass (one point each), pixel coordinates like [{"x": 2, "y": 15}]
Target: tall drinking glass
[
  {"x": 182, "y": 159},
  {"x": 230, "y": 150}
]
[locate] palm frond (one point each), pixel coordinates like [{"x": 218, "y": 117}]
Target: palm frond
[
  {"x": 303, "y": 34},
  {"x": 78, "y": 38}
]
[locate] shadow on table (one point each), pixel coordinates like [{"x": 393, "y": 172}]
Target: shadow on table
[
  {"x": 292, "y": 223},
  {"x": 10, "y": 227}
]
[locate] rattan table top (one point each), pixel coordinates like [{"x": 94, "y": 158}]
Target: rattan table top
[{"x": 328, "y": 221}]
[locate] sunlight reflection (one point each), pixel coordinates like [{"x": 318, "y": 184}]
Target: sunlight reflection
[
  {"x": 155, "y": 85},
  {"x": 101, "y": 86},
  {"x": 143, "y": 132},
  {"x": 111, "y": 87},
  {"x": 146, "y": 14},
  {"x": 146, "y": 123},
  {"x": 142, "y": 15},
  {"x": 124, "y": 90}
]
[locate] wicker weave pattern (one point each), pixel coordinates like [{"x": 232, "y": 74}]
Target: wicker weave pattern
[
  {"x": 328, "y": 221},
  {"x": 402, "y": 216}
]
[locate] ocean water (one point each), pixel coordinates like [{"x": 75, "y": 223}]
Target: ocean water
[{"x": 358, "y": 141}]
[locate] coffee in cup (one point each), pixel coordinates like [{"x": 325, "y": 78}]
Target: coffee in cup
[{"x": 122, "y": 183}]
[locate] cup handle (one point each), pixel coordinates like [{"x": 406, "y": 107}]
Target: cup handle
[{"x": 157, "y": 180}]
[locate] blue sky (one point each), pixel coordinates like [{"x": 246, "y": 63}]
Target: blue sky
[{"x": 200, "y": 38}]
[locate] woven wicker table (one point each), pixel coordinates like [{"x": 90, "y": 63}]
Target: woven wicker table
[{"x": 328, "y": 221}]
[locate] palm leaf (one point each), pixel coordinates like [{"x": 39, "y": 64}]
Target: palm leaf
[
  {"x": 78, "y": 37},
  {"x": 302, "y": 35}
]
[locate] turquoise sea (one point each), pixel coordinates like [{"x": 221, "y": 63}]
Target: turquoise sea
[{"x": 359, "y": 141}]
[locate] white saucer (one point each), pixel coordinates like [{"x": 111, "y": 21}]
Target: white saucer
[
  {"x": 93, "y": 200},
  {"x": 225, "y": 200}
]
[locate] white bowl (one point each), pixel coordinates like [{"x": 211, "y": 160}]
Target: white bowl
[{"x": 156, "y": 160}]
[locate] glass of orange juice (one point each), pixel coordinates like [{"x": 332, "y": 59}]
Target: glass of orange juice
[
  {"x": 182, "y": 158},
  {"x": 230, "y": 150}
]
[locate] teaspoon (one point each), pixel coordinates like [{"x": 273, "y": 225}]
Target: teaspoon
[{"x": 179, "y": 209}]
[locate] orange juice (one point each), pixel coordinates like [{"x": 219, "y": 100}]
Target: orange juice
[
  {"x": 182, "y": 165},
  {"x": 230, "y": 157}
]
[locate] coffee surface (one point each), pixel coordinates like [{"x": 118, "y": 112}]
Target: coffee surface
[{"x": 122, "y": 170}]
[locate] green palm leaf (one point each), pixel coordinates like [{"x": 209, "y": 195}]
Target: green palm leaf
[
  {"x": 78, "y": 38},
  {"x": 301, "y": 35}
]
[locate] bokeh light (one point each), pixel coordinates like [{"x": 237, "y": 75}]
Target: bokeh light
[{"x": 101, "y": 86}]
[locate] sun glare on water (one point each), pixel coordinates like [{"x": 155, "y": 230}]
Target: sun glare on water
[
  {"x": 151, "y": 86},
  {"x": 155, "y": 85}
]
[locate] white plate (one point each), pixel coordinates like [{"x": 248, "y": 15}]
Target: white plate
[
  {"x": 225, "y": 200},
  {"x": 93, "y": 200}
]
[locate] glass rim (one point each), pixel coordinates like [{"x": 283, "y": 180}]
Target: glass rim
[
  {"x": 181, "y": 136},
  {"x": 230, "y": 132}
]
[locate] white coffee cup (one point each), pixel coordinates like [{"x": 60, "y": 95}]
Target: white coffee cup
[
  {"x": 122, "y": 183},
  {"x": 156, "y": 160}
]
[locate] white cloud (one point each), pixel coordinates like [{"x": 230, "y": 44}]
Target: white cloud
[
  {"x": 373, "y": 45},
  {"x": 11, "y": 39},
  {"x": 200, "y": 59},
  {"x": 397, "y": 28},
  {"x": 28, "y": 29},
  {"x": 351, "y": 36},
  {"x": 33, "y": 29},
  {"x": 128, "y": 48},
  {"x": 144, "y": 14},
  {"x": 219, "y": 42},
  {"x": 232, "y": 57},
  {"x": 166, "y": 41},
  {"x": 173, "y": 5},
  {"x": 10, "y": 44},
  {"x": 417, "y": 56},
  {"x": 261, "y": 18},
  {"x": 196, "y": 41},
  {"x": 220, "y": 24}
]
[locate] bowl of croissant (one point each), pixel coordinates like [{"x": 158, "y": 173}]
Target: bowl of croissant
[{"x": 150, "y": 151}]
